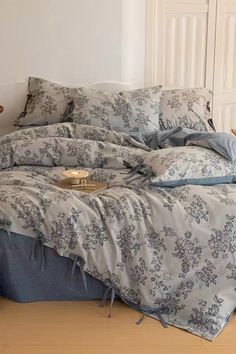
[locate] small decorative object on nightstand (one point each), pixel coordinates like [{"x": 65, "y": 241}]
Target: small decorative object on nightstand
[{"x": 1, "y": 109}]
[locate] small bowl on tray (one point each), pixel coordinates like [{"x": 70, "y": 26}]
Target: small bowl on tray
[
  {"x": 76, "y": 177},
  {"x": 78, "y": 180}
]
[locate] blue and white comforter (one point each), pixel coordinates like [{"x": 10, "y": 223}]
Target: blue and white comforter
[{"x": 169, "y": 252}]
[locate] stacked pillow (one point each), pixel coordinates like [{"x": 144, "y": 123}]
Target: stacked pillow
[
  {"x": 142, "y": 110},
  {"x": 128, "y": 111}
]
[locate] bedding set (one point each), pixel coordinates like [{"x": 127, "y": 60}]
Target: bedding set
[{"x": 162, "y": 235}]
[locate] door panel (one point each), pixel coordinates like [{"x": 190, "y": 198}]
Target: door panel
[
  {"x": 182, "y": 33},
  {"x": 185, "y": 49},
  {"x": 225, "y": 66}
]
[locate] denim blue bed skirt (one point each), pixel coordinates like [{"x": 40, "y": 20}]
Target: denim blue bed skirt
[{"x": 23, "y": 280}]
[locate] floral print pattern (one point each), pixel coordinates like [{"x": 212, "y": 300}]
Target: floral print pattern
[
  {"x": 46, "y": 103},
  {"x": 188, "y": 108},
  {"x": 129, "y": 111},
  {"x": 170, "y": 252},
  {"x": 180, "y": 165}
]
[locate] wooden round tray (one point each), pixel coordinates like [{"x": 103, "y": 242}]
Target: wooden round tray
[{"x": 89, "y": 187}]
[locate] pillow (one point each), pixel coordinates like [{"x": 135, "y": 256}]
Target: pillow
[
  {"x": 188, "y": 108},
  {"x": 130, "y": 111},
  {"x": 46, "y": 103},
  {"x": 183, "y": 165}
]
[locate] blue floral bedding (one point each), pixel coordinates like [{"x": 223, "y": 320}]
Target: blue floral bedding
[{"x": 168, "y": 252}]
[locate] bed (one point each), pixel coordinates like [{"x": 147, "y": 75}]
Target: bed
[
  {"x": 20, "y": 279},
  {"x": 161, "y": 235}
]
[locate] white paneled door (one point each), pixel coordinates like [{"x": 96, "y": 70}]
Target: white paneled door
[
  {"x": 225, "y": 66},
  {"x": 193, "y": 43}
]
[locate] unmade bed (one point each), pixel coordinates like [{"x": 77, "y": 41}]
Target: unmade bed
[{"x": 161, "y": 235}]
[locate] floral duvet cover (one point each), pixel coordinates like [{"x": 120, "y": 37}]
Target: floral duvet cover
[{"x": 168, "y": 252}]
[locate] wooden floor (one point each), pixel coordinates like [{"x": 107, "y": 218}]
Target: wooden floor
[{"x": 83, "y": 328}]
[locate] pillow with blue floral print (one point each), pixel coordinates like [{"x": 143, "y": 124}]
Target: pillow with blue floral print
[
  {"x": 128, "y": 111},
  {"x": 182, "y": 165},
  {"x": 47, "y": 102},
  {"x": 188, "y": 108}
]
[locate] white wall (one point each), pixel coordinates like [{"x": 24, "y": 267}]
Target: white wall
[
  {"x": 66, "y": 40},
  {"x": 70, "y": 41},
  {"x": 77, "y": 41},
  {"x": 133, "y": 42}
]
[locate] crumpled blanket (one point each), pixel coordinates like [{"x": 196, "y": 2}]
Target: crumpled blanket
[{"x": 222, "y": 143}]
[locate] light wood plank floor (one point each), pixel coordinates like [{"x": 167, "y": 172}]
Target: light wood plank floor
[{"x": 83, "y": 328}]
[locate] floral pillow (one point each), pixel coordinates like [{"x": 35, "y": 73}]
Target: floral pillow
[
  {"x": 177, "y": 166},
  {"x": 188, "y": 108},
  {"x": 46, "y": 103},
  {"x": 129, "y": 111}
]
